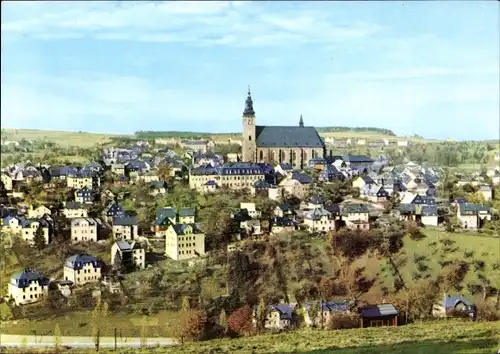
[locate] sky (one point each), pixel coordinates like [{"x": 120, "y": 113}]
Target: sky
[{"x": 426, "y": 68}]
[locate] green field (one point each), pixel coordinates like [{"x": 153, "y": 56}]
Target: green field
[
  {"x": 80, "y": 324},
  {"x": 62, "y": 138},
  {"x": 86, "y": 140},
  {"x": 443, "y": 337}
]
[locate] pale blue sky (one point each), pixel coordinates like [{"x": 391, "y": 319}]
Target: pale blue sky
[{"x": 430, "y": 68}]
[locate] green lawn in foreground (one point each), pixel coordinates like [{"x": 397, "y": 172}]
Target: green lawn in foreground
[
  {"x": 443, "y": 337},
  {"x": 80, "y": 324}
]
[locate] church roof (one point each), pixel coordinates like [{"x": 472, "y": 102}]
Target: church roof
[{"x": 281, "y": 136}]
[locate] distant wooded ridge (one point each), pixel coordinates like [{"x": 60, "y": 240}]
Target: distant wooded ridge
[{"x": 149, "y": 134}]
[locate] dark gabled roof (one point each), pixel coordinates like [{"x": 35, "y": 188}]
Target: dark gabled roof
[
  {"x": 357, "y": 158},
  {"x": 286, "y": 208},
  {"x": 284, "y": 221},
  {"x": 407, "y": 208},
  {"x": 262, "y": 184},
  {"x": 73, "y": 205},
  {"x": 285, "y": 310},
  {"x": 378, "y": 311},
  {"x": 77, "y": 261},
  {"x": 302, "y": 177},
  {"x": 450, "y": 301},
  {"x": 162, "y": 213},
  {"x": 157, "y": 184},
  {"x": 241, "y": 215},
  {"x": 334, "y": 209},
  {"x": 354, "y": 208},
  {"x": 180, "y": 229},
  {"x": 23, "y": 279},
  {"x": 317, "y": 214},
  {"x": 187, "y": 212},
  {"x": 429, "y": 210},
  {"x": 281, "y": 136},
  {"x": 129, "y": 220},
  {"x": 368, "y": 180},
  {"x": 316, "y": 199},
  {"x": 467, "y": 208},
  {"x": 211, "y": 183},
  {"x": 286, "y": 166}
]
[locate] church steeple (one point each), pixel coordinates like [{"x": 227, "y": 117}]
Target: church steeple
[
  {"x": 301, "y": 121},
  {"x": 249, "y": 112}
]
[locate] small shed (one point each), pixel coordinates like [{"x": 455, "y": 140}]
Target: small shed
[{"x": 378, "y": 315}]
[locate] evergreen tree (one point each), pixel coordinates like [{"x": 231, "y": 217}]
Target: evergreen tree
[{"x": 39, "y": 239}]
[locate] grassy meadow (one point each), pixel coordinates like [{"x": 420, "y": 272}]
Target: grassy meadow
[
  {"x": 440, "y": 337},
  {"x": 62, "y": 138},
  {"x": 79, "y": 323}
]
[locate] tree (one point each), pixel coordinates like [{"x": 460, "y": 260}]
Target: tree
[
  {"x": 57, "y": 337},
  {"x": 223, "y": 320},
  {"x": 314, "y": 311},
  {"x": 261, "y": 315},
  {"x": 164, "y": 171},
  {"x": 193, "y": 324},
  {"x": 240, "y": 321},
  {"x": 144, "y": 331},
  {"x": 39, "y": 239}
]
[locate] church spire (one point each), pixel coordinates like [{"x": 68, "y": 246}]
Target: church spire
[
  {"x": 249, "y": 112},
  {"x": 301, "y": 121}
]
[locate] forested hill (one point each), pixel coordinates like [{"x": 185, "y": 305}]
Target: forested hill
[
  {"x": 179, "y": 134},
  {"x": 380, "y": 131}
]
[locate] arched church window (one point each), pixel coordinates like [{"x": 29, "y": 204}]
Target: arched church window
[
  {"x": 261, "y": 155},
  {"x": 249, "y": 138}
]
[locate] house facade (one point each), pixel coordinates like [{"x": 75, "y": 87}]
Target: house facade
[
  {"x": 82, "y": 269},
  {"x": 184, "y": 241},
  {"x": 128, "y": 255},
  {"x": 84, "y": 230},
  {"x": 27, "y": 287}
]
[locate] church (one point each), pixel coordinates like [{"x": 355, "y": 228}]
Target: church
[{"x": 295, "y": 145}]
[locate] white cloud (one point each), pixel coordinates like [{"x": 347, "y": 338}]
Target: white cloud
[{"x": 202, "y": 23}]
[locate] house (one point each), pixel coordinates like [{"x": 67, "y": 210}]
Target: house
[
  {"x": 113, "y": 209},
  {"x": 199, "y": 146},
  {"x": 27, "y": 287},
  {"x": 472, "y": 216},
  {"x": 164, "y": 218},
  {"x": 74, "y": 210},
  {"x": 361, "y": 181},
  {"x": 121, "y": 181},
  {"x": 327, "y": 309},
  {"x": 429, "y": 215},
  {"x": 6, "y": 179},
  {"x": 82, "y": 179},
  {"x": 330, "y": 173},
  {"x": 125, "y": 227},
  {"x": 356, "y": 216},
  {"x": 158, "y": 187},
  {"x": 82, "y": 269},
  {"x": 210, "y": 187},
  {"x": 285, "y": 210},
  {"x": 84, "y": 229},
  {"x": 186, "y": 215},
  {"x": 278, "y": 317},
  {"x": 487, "y": 192},
  {"x": 450, "y": 305},
  {"x": 318, "y": 220},
  {"x": 84, "y": 195},
  {"x": 298, "y": 184},
  {"x": 147, "y": 177},
  {"x": 378, "y": 315},
  {"x": 282, "y": 224},
  {"x": 266, "y": 189},
  {"x": 374, "y": 193},
  {"x": 27, "y": 228},
  {"x": 250, "y": 207},
  {"x": 184, "y": 241},
  {"x": 38, "y": 212},
  {"x": 118, "y": 169},
  {"x": 128, "y": 255}
]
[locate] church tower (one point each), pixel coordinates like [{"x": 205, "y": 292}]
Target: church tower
[{"x": 249, "y": 147}]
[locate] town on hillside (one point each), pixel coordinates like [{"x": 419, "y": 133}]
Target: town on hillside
[{"x": 278, "y": 229}]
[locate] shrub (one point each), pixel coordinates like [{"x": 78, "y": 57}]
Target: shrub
[
  {"x": 487, "y": 312},
  {"x": 240, "y": 321},
  {"x": 193, "y": 324},
  {"x": 343, "y": 321}
]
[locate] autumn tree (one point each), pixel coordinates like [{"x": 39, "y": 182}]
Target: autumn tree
[
  {"x": 193, "y": 324},
  {"x": 240, "y": 321}
]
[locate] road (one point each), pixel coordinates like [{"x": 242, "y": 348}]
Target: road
[{"x": 13, "y": 340}]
